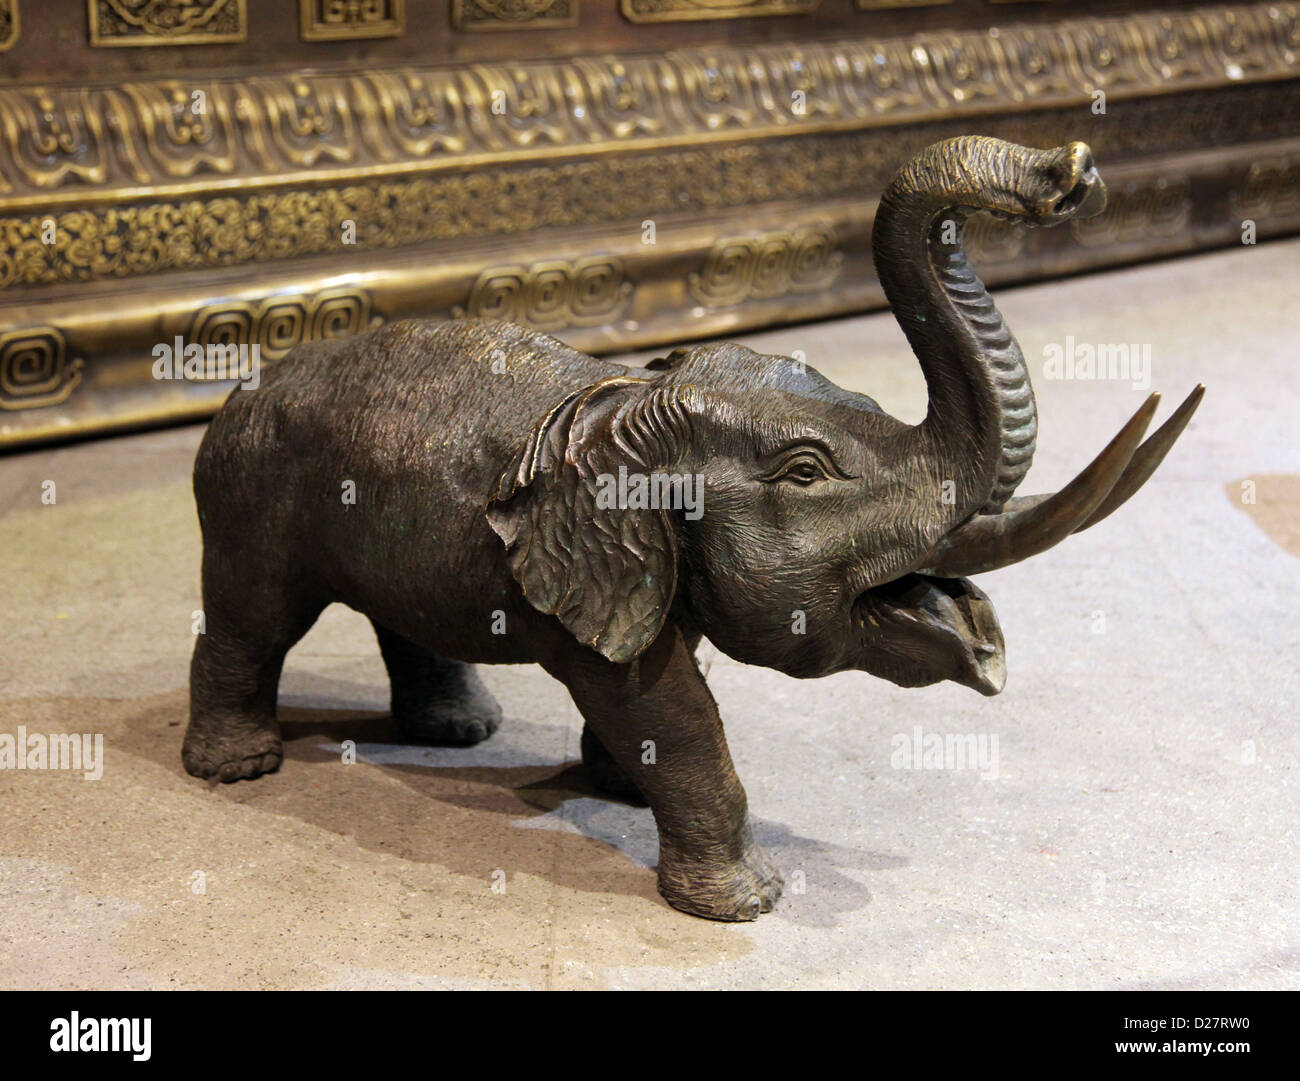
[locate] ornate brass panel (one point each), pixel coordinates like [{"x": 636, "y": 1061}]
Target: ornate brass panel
[
  {"x": 513, "y": 14},
  {"x": 638, "y": 295},
  {"x": 67, "y": 144},
  {"x": 670, "y": 11},
  {"x": 342, "y": 20},
  {"x": 166, "y": 22},
  {"x": 273, "y": 205}
]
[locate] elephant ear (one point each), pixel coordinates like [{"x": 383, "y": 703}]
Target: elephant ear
[{"x": 607, "y": 572}]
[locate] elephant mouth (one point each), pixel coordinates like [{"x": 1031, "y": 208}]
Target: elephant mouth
[{"x": 933, "y": 629}]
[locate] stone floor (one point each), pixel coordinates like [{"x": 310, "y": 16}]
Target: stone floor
[{"x": 1140, "y": 830}]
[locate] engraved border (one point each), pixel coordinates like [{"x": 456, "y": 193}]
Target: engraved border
[{"x": 270, "y": 225}]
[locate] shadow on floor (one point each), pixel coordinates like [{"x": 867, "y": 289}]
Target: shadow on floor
[{"x": 412, "y": 802}]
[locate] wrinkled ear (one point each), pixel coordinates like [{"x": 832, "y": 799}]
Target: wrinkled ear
[{"x": 608, "y": 573}]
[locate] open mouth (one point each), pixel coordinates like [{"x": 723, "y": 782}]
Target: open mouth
[{"x": 939, "y": 628}]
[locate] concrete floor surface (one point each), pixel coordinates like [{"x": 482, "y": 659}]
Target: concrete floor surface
[{"x": 1140, "y": 831}]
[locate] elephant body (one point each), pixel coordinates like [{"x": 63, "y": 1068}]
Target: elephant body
[
  {"x": 414, "y": 417},
  {"x": 454, "y": 482}
]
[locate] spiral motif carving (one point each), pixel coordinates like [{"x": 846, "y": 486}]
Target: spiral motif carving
[
  {"x": 1272, "y": 189},
  {"x": 767, "y": 266},
  {"x": 551, "y": 294},
  {"x": 35, "y": 370},
  {"x": 1157, "y": 208},
  {"x": 277, "y": 325}
]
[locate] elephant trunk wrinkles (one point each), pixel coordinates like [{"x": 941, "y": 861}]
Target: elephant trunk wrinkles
[{"x": 981, "y": 419}]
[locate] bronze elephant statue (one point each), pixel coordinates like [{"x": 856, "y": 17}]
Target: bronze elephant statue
[{"x": 513, "y": 501}]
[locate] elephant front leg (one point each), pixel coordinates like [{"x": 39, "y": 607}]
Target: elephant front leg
[
  {"x": 603, "y": 772},
  {"x": 659, "y": 724}
]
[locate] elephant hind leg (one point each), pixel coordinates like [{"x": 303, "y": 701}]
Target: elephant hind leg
[
  {"x": 233, "y": 733},
  {"x": 436, "y": 699}
]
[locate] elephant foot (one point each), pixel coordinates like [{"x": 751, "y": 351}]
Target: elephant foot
[
  {"x": 231, "y": 755},
  {"x": 735, "y": 892},
  {"x": 462, "y": 712}
]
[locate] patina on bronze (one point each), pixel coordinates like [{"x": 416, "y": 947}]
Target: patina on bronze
[{"x": 407, "y": 474}]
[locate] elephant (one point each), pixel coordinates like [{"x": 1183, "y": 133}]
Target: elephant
[{"x": 487, "y": 495}]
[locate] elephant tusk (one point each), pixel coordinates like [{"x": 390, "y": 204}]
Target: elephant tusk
[
  {"x": 1145, "y": 461},
  {"x": 987, "y": 542},
  {"x": 1148, "y": 457}
]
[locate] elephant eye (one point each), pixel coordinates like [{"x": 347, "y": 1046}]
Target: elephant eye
[
  {"x": 805, "y": 472},
  {"x": 806, "y": 467}
]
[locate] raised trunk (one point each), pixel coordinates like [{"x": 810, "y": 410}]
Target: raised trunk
[{"x": 981, "y": 421}]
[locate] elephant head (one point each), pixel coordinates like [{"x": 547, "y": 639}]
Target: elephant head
[{"x": 833, "y": 536}]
